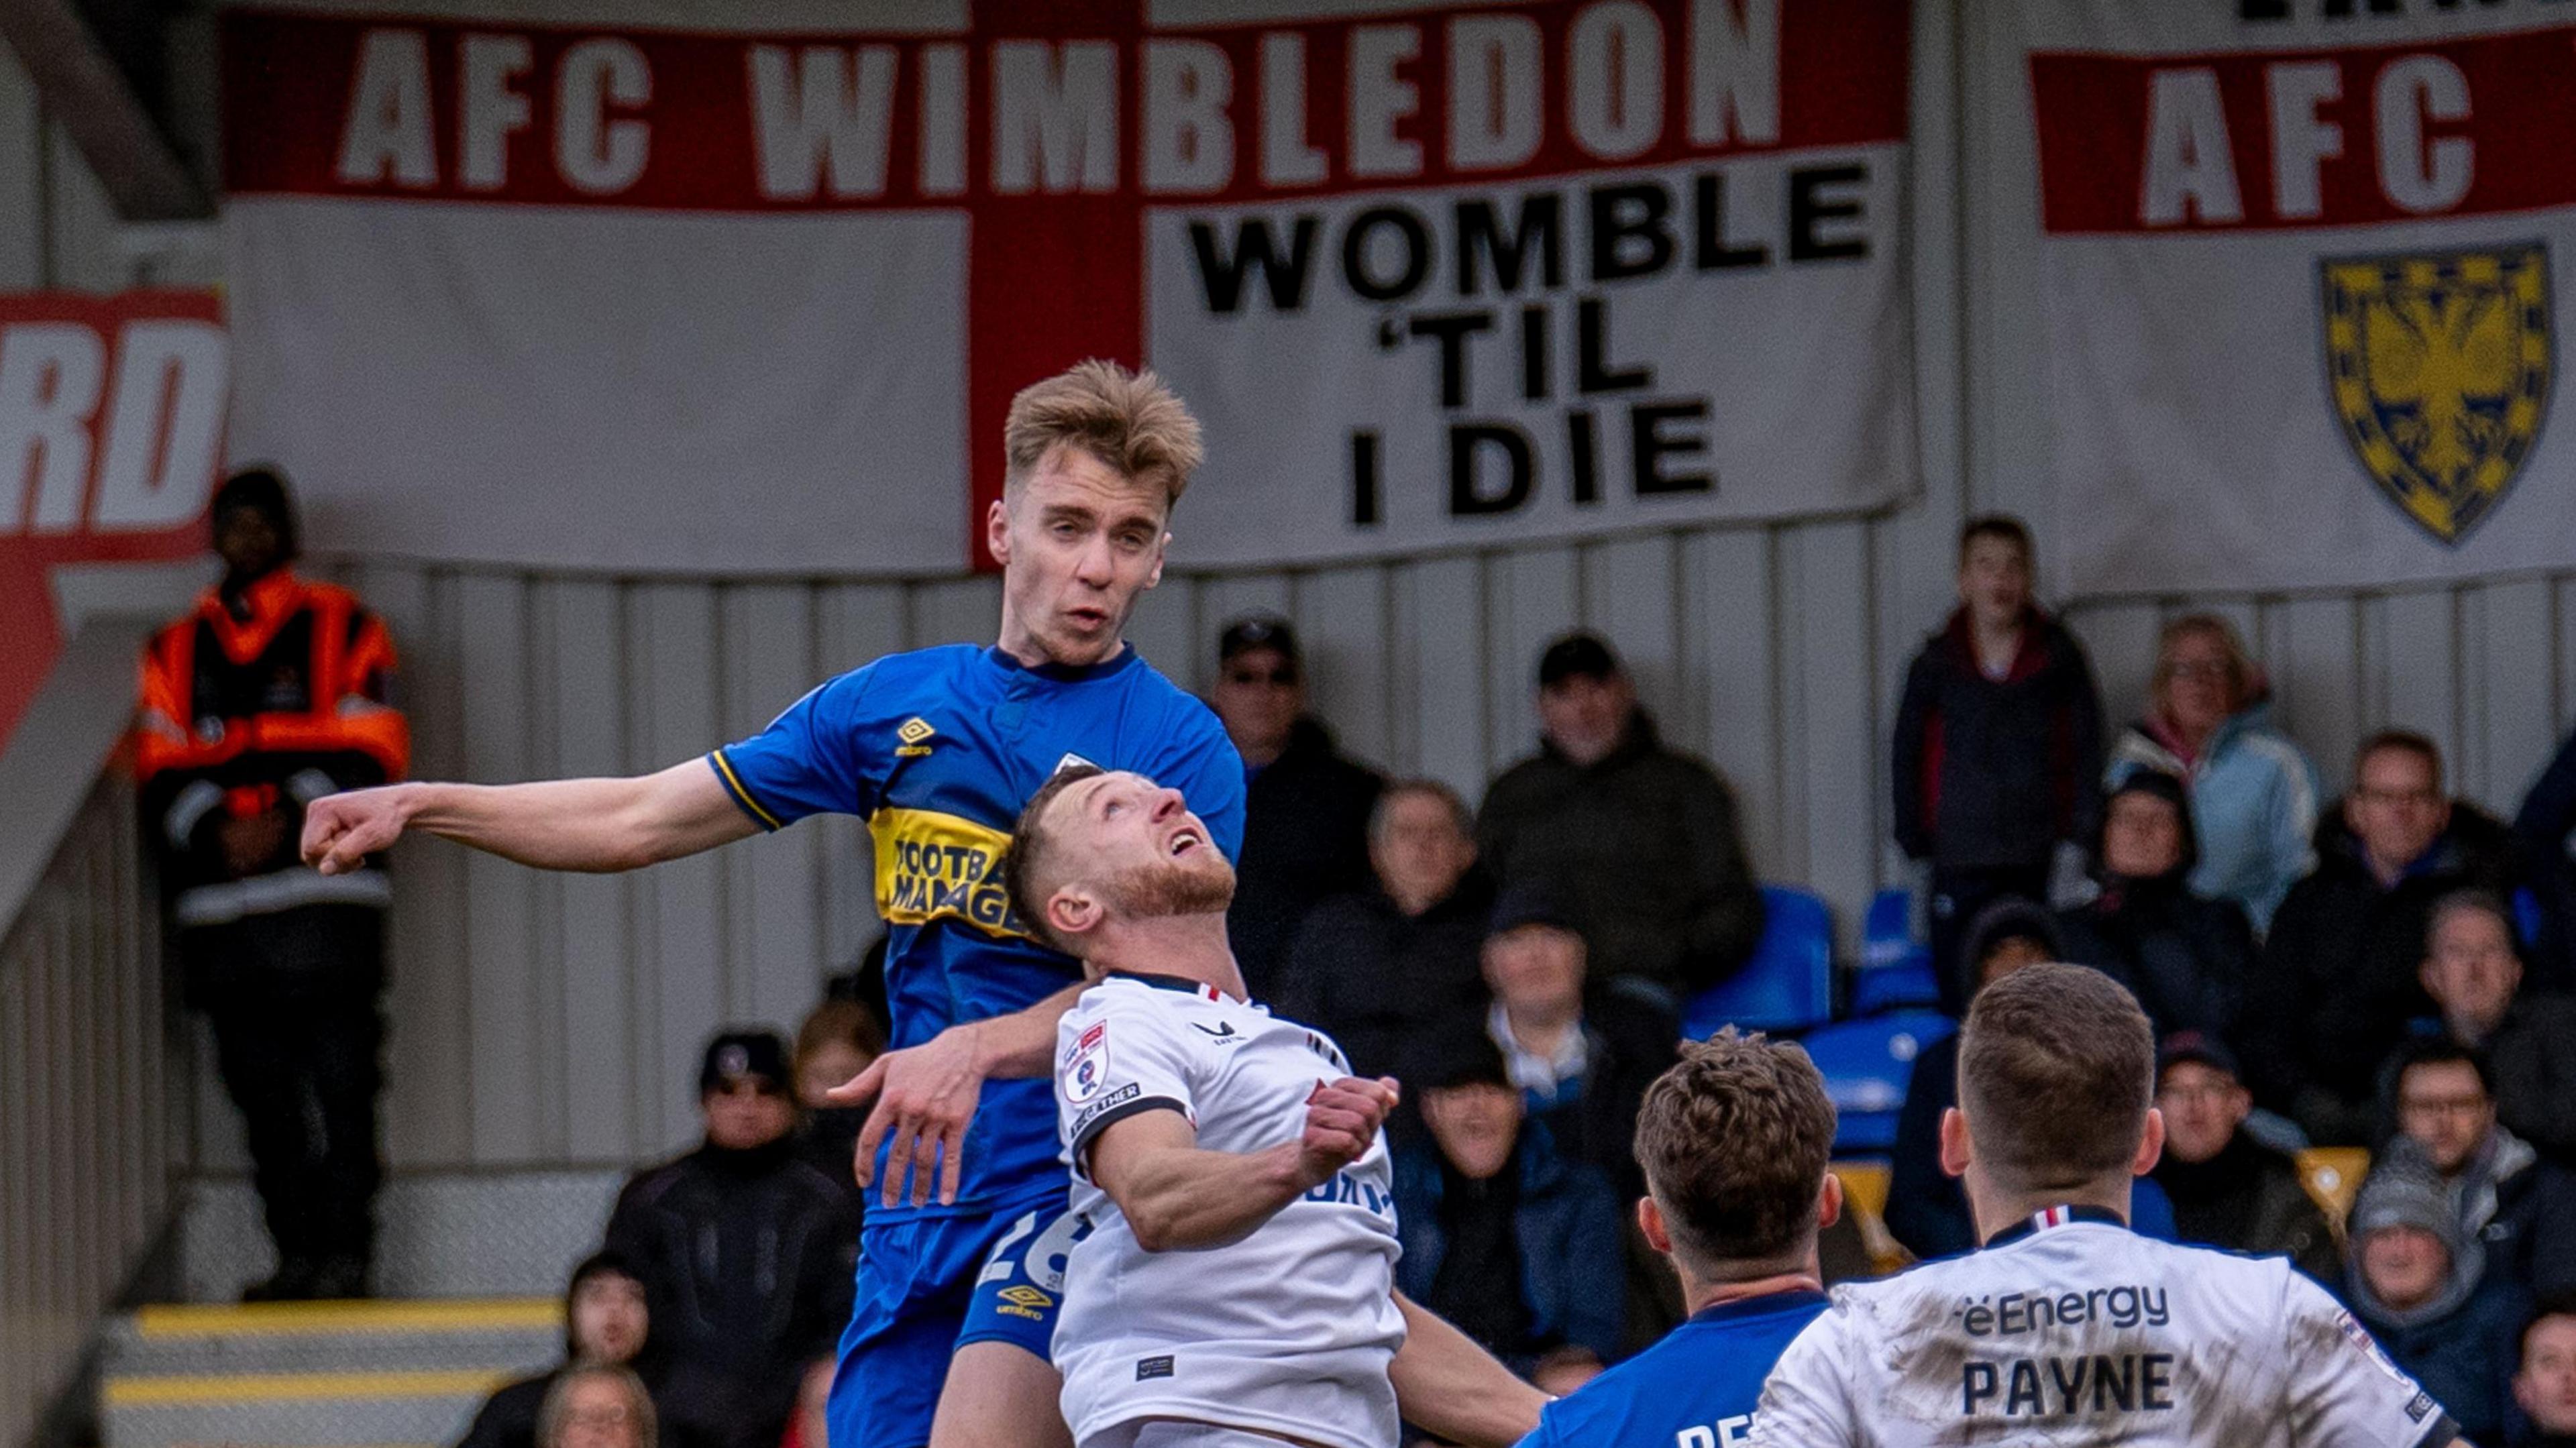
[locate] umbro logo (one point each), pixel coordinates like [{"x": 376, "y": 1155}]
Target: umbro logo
[{"x": 913, "y": 732}]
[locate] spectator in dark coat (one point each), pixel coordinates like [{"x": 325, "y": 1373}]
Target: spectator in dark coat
[
  {"x": 1376, "y": 968},
  {"x": 1305, "y": 808},
  {"x": 2520, "y": 1208},
  {"x": 1926, "y": 1209},
  {"x": 2342, "y": 970},
  {"x": 2188, "y": 960},
  {"x": 2228, "y": 1189},
  {"x": 1515, "y": 1243},
  {"x": 2544, "y": 1387},
  {"x": 2473, "y": 972},
  {"x": 1642, "y": 840},
  {"x": 1998, "y": 753},
  {"x": 605, "y": 1323},
  {"x": 746, "y": 1251},
  {"x": 2428, "y": 1295},
  {"x": 1582, "y": 1060},
  {"x": 2541, "y": 831}
]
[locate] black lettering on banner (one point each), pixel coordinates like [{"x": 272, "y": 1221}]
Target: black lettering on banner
[
  {"x": 1480, "y": 232},
  {"x": 1534, "y": 353},
  {"x": 1810, "y": 208},
  {"x": 1416, "y": 239},
  {"x": 1593, "y": 372},
  {"x": 1466, "y": 439},
  {"x": 1256, "y": 248},
  {"x": 1649, "y": 445},
  {"x": 1712, "y": 251},
  {"x": 1582, "y": 441},
  {"x": 1366, "y": 489},
  {"x": 1629, "y": 236},
  {"x": 1452, "y": 329}
]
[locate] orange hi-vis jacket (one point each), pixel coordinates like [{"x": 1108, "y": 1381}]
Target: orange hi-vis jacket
[{"x": 270, "y": 711}]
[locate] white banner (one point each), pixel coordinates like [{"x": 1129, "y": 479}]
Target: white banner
[
  {"x": 655, "y": 300},
  {"x": 2301, "y": 277}
]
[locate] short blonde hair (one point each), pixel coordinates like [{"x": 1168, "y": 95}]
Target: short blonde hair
[
  {"x": 1128, "y": 420},
  {"x": 2241, "y": 677}
]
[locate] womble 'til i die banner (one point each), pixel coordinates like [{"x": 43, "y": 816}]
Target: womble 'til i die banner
[{"x": 652, "y": 299}]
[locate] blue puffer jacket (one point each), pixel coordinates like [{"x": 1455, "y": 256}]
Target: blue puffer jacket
[
  {"x": 1568, "y": 1228},
  {"x": 2253, "y": 805}
]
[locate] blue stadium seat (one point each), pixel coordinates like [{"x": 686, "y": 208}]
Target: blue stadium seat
[
  {"x": 1788, "y": 985},
  {"x": 1866, "y": 1065},
  {"x": 2526, "y": 916},
  {"x": 1895, "y": 968}
]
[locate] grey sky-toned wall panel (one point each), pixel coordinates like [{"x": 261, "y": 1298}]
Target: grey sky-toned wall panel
[
  {"x": 1165, "y": 627},
  {"x": 503, "y": 963},
  {"x": 1728, "y": 595},
  {"x": 1530, "y": 597},
  {"x": 680, "y": 946},
  {"x": 1341, "y": 624},
  {"x": 1629, "y": 596},
  {"x": 773, "y": 890},
  {"x": 1441, "y": 689},
  {"x": 592, "y": 1079}
]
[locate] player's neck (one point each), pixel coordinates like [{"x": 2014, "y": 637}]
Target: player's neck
[
  {"x": 1699, "y": 1297},
  {"x": 1021, "y": 644},
  {"x": 1193, "y": 947},
  {"x": 1997, "y": 1210}
]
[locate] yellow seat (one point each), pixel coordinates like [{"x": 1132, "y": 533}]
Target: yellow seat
[
  {"x": 1865, "y": 1198},
  {"x": 2333, "y": 1175}
]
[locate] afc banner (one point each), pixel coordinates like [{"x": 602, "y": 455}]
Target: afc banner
[
  {"x": 2301, "y": 266},
  {"x": 111, "y": 436},
  {"x": 657, "y": 300}
]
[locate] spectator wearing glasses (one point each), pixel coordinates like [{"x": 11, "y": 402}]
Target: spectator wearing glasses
[
  {"x": 1306, "y": 807},
  {"x": 2518, "y": 1207},
  {"x": 2253, "y": 792},
  {"x": 745, "y": 1250},
  {"x": 2228, "y": 1189},
  {"x": 598, "y": 1405},
  {"x": 1640, "y": 841},
  {"x": 2342, "y": 971},
  {"x": 2473, "y": 971}
]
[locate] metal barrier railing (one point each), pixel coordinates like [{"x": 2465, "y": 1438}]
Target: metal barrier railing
[{"x": 87, "y": 1153}]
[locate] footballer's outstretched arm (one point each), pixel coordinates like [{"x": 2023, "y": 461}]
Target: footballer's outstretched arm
[
  {"x": 1177, "y": 1197},
  {"x": 556, "y": 824},
  {"x": 1445, "y": 1383},
  {"x": 925, "y": 1095}
]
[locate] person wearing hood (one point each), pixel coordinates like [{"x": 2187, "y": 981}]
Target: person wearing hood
[
  {"x": 1641, "y": 841},
  {"x": 2473, "y": 969},
  {"x": 2187, "y": 959},
  {"x": 1998, "y": 749},
  {"x": 745, "y": 1249},
  {"x": 2341, "y": 975},
  {"x": 2253, "y": 791},
  {"x": 2425, "y": 1292},
  {"x": 272, "y": 693},
  {"x": 1306, "y": 807},
  {"x": 1374, "y": 968},
  {"x": 2519, "y": 1207},
  {"x": 2229, "y": 1189},
  {"x": 606, "y": 1324}
]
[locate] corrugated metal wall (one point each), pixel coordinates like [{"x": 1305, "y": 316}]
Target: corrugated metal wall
[{"x": 541, "y": 1018}]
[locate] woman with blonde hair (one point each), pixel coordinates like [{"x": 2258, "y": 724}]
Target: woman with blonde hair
[{"x": 2253, "y": 791}]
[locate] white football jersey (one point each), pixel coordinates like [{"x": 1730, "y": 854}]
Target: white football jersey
[
  {"x": 2072, "y": 1330},
  {"x": 1289, "y": 1330}
]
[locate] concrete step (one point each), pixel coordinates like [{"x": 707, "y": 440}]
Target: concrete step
[{"x": 317, "y": 1375}]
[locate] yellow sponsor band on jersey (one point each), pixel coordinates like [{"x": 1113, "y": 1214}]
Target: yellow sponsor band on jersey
[{"x": 932, "y": 866}]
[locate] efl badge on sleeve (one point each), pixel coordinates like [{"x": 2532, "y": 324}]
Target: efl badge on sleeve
[
  {"x": 2438, "y": 365},
  {"x": 1088, "y": 1071}
]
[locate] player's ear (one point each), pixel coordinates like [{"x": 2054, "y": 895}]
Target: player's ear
[
  {"x": 1829, "y": 1202},
  {"x": 2151, "y": 1144},
  {"x": 1954, "y": 1142},
  {"x": 1073, "y": 911},
  {"x": 1650, "y": 1223},
  {"x": 997, "y": 530},
  {"x": 1162, "y": 546}
]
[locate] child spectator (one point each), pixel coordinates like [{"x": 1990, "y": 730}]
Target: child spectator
[
  {"x": 606, "y": 1324},
  {"x": 837, "y": 1041},
  {"x": 2253, "y": 791},
  {"x": 1998, "y": 753}
]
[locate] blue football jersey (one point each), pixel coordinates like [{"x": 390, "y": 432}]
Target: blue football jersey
[
  {"x": 1694, "y": 1389},
  {"x": 938, "y": 749}
]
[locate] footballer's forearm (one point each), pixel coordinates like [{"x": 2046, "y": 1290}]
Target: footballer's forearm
[
  {"x": 583, "y": 824},
  {"x": 1447, "y": 1384},
  {"x": 1023, "y": 1042},
  {"x": 1176, "y": 1197}
]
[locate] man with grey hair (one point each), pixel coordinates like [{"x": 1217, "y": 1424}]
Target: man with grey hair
[{"x": 1376, "y": 967}]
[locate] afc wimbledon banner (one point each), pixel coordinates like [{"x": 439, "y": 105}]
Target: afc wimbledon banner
[
  {"x": 2301, "y": 264},
  {"x": 1439, "y": 276}
]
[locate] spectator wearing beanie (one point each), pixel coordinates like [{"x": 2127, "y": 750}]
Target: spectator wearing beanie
[
  {"x": 746, "y": 1251},
  {"x": 2473, "y": 972},
  {"x": 2188, "y": 960},
  {"x": 2341, "y": 977},
  {"x": 2253, "y": 791},
  {"x": 2228, "y": 1189},
  {"x": 1516, "y": 1244},
  {"x": 1306, "y": 807},
  {"x": 2423, "y": 1290},
  {"x": 1642, "y": 841},
  {"x": 1373, "y": 969},
  {"x": 1998, "y": 750}
]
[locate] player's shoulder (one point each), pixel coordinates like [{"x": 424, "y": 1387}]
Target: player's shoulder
[
  {"x": 1181, "y": 711},
  {"x": 1139, "y": 1002}
]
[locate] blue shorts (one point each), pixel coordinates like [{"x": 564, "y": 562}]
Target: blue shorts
[{"x": 929, "y": 1286}]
